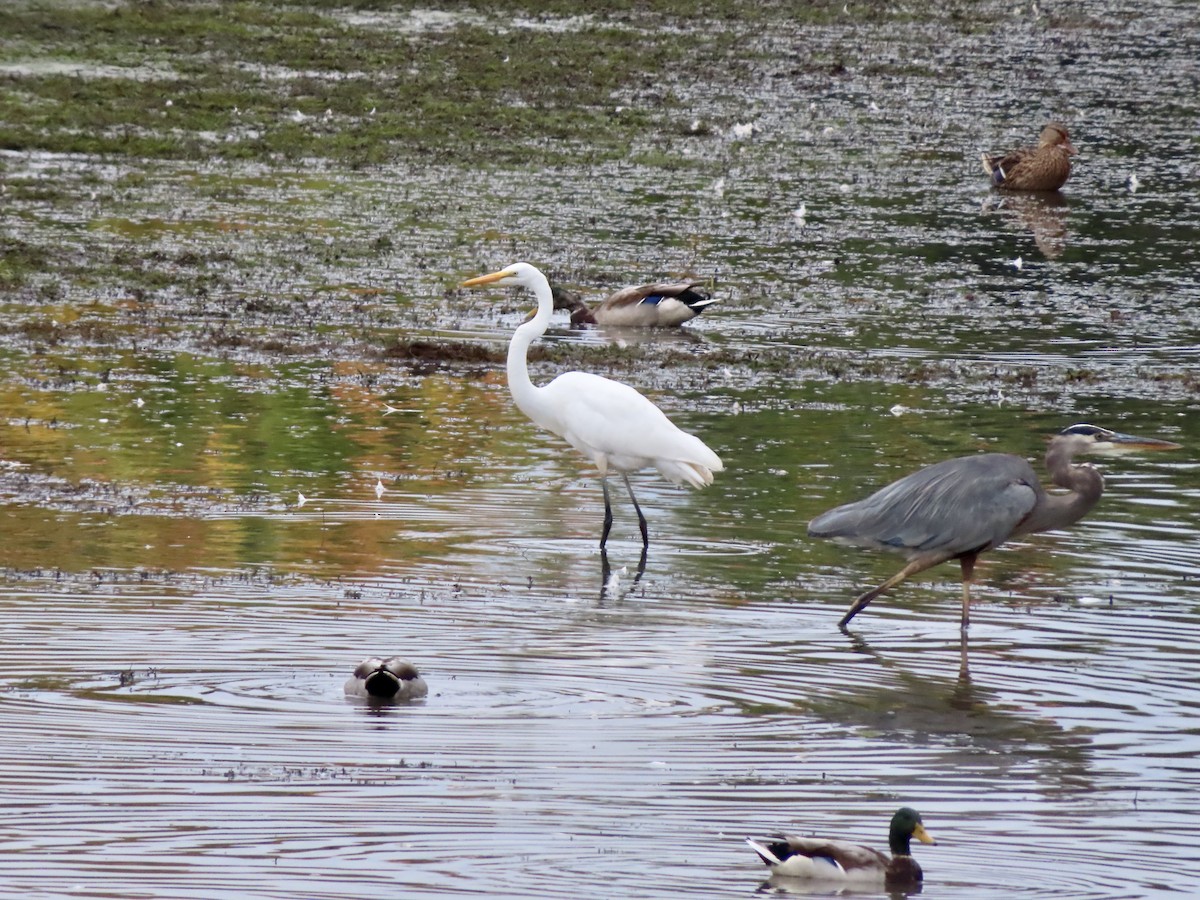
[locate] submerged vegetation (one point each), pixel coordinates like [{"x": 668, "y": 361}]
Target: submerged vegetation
[{"x": 221, "y": 205}]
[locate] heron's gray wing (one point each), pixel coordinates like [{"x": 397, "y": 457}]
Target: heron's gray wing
[{"x": 971, "y": 503}]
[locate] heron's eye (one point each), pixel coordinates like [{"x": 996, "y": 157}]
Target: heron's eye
[{"x": 1092, "y": 431}]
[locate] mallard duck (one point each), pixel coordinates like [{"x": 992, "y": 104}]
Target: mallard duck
[
  {"x": 1045, "y": 167},
  {"x": 386, "y": 679},
  {"x": 664, "y": 304},
  {"x": 801, "y": 857}
]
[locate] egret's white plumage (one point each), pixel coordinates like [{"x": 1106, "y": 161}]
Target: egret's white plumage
[{"x": 608, "y": 422}]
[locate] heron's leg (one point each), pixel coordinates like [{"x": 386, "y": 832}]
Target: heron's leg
[
  {"x": 641, "y": 518},
  {"x": 917, "y": 565},
  {"x": 968, "y": 569},
  {"x": 607, "y": 513}
]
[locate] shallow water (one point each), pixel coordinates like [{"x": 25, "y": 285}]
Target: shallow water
[{"x": 211, "y": 513}]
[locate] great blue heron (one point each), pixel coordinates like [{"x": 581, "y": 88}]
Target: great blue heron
[
  {"x": 608, "y": 422},
  {"x": 962, "y": 507}
]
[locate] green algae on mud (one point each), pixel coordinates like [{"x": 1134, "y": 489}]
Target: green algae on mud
[
  {"x": 267, "y": 80},
  {"x": 509, "y": 82}
]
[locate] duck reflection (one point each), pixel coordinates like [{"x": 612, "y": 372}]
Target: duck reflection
[
  {"x": 612, "y": 584},
  {"x": 1045, "y": 215},
  {"x": 623, "y": 336},
  {"x": 782, "y": 884}
]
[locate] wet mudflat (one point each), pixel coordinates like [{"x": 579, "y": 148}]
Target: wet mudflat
[{"x": 251, "y": 432}]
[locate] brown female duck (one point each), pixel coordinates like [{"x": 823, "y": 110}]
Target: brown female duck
[{"x": 1045, "y": 167}]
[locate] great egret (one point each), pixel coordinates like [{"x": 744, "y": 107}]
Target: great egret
[
  {"x": 962, "y": 507},
  {"x": 830, "y": 860},
  {"x": 1045, "y": 167},
  {"x": 661, "y": 305},
  {"x": 608, "y": 422},
  {"x": 386, "y": 679}
]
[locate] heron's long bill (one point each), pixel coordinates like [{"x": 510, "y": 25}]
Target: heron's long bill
[
  {"x": 922, "y": 835},
  {"x": 486, "y": 279},
  {"x": 1131, "y": 443}
]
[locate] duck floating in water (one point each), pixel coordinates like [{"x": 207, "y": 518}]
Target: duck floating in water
[
  {"x": 830, "y": 860},
  {"x": 664, "y": 304},
  {"x": 1045, "y": 167},
  {"x": 386, "y": 679}
]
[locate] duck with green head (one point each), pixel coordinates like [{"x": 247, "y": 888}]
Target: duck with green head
[{"x": 833, "y": 860}]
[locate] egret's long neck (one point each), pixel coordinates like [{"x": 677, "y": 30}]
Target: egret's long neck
[
  {"x": 1084, "y": 483},
  {"x": 525, "y": 392}
]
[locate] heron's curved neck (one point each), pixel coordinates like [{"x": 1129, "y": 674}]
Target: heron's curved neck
[
  {"x": 1084, "y": 484},
  {"x": 524, "y": 391}
]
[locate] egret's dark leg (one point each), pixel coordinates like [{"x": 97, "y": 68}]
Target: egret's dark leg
[
  {"x": 968, "y": 569},
  {"x": 641, "y": 518},
  {"x": 607, "y": 513},
  {"x": 641, "y": 569},
  {"x": 605, "y": 573},
  {"x": 917, "y": 565}
]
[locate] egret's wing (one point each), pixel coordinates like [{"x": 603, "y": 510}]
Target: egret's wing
[
  {"x": 971, "y": 503},
  {"x": 601, "y": 416}
]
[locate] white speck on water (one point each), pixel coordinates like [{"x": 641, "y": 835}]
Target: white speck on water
[
  {"x": 799, "y": 214},
  {"x": 718, "y": 187},
  {"x": 899, "y": 409},
  {"x": 1018, "y": 264},
  {"x": 379, "y": 489},
  {"x": 614, "y": 580},
  {"x": 301, "y": 499},
  {"x": 1133, "y": 182}
]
